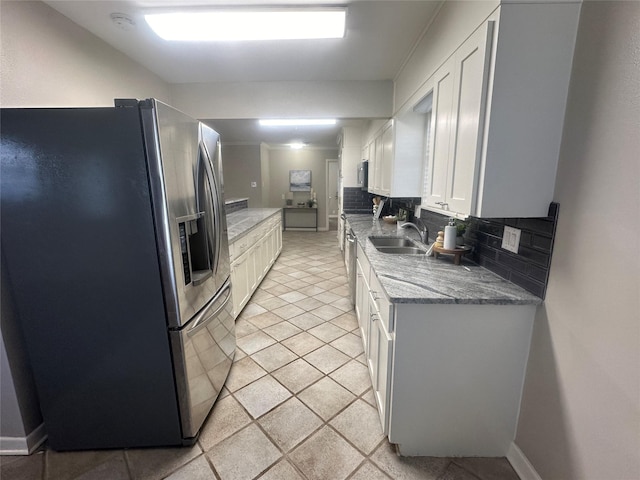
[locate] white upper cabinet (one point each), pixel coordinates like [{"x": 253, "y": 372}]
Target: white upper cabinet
[
  {"x": 395, "y": 163},
  {"x": 459, "y": 99},
  {"x": 440, "y": 135},
  {"x": 498, "y": 112},
  {"x": 349, "y": 143}
]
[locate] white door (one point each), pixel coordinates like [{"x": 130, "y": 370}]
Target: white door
[{"x": 332, "y": 189}]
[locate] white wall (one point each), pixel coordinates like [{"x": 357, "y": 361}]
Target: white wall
[
  {"x": 283, "y": 160},
  {"x": 348, "y": 99},
  {"x": 47, "y": 60},
  {"x": 266, "y": 173},
  {"x": 241, "y": 165},
  {"x": 580, "y": 414}
]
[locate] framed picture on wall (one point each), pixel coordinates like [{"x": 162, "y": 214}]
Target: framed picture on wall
[{"x": 300, "y": 180}]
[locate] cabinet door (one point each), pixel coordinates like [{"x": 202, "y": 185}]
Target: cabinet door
[
  {"x": 381, "y": 341},
  {"x": 265, "y": 255},
  {"x": 240, "y": 283},
  {"x": 254, "y": 267},
  {"x": 440, "y": 141},
  {"x": 279, "y": 238},
  {"x": 379, "y": 361},
  {"x": 471, "y": 75},
  {"x": 386, "y": 164},
  {"x": 379, "y": 165},
  {"x": 273, "y": 240},
  {"x": 362, "y": 307},
  {"x": 373, "y": 167}
]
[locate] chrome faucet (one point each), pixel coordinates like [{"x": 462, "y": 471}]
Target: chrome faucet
[{"x": 424, "y": 234}]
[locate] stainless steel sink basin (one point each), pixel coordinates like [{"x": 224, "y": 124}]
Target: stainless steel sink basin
[
  {"x": 396, "y": 246},
  {"x": 391, "y": 242},
  {"x": 402, "y": 250}
]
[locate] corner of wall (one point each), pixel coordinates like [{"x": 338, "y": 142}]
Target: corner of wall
[{"x": 521, "y": 464}]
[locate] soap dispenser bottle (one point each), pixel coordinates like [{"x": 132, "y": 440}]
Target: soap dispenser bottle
[{"x": 450, "y": 233}]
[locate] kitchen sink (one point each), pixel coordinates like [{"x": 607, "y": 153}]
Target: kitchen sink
[
  {"x": 402, "y": 250},
  {"x": 391, "y": 242},
  {"x": 396, "y": 246}
]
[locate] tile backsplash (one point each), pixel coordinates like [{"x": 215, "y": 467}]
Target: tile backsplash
[
  {"x": 235, "y": 205},
  {"x": 529, "y": 268},
  {"x": 356, "y": 200}
]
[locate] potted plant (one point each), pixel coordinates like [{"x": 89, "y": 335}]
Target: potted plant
[{"x": 461, "y": 228}]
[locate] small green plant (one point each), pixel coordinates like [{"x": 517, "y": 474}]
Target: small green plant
[{"x": 461, "y": 227}]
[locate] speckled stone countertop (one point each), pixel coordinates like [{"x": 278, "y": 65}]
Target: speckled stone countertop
[
  {"x": 242, "y": 221},
  {"x": 422, "y": 279},
  {"x": 235, "y": 200}
]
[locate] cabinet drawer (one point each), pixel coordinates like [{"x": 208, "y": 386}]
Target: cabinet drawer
[
  {"x": 362, "y": 260},
  {"x": 381, "y": 302},
  {"x": 240, "y": 246}
]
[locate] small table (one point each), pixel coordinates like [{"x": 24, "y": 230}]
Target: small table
[
  {"x": 300, "y": 217},
  {"x": 456, "y": 252}
]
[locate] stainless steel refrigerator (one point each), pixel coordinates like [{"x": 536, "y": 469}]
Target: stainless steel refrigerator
[{"x": 114, "y": 241}]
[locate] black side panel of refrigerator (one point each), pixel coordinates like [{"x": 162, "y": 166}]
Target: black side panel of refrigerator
[{"x": 80, "y": 251}]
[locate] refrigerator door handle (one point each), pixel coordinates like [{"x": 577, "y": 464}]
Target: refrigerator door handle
[
  {"x": 219, "y": 302},
  {"x": 214, "y": 208}
]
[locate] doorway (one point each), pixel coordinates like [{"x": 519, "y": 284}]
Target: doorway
[{"x": 332, "y": 194}]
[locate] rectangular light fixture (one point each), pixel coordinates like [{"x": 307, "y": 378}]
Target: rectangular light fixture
[
  {"x": 243, "y": 24},
  {"x": 297, "y": 122}
]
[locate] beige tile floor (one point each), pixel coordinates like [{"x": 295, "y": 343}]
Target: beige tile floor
[{"x": 297, "y": 404}]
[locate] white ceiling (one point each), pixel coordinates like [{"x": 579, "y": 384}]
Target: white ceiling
[
  {"x": 380, "y": 36},
  {"x": 248, "y": 131}
]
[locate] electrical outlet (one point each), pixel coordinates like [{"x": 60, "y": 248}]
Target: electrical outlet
[
  {"x": 254, "y": 184},
  {"x": 511, "y": 239}
]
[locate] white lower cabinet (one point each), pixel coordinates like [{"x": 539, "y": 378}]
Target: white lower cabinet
[
  {"x": 447, "y": 378},
  {"x": 251, "y": 258},
  {"x": 240, "y": 281},
  {"x": 379, "y": 360},
  {"x": 374, "y": 317},
  {"x": 362, "y": 304}
]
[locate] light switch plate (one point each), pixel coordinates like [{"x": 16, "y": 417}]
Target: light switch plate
[
  {"x": 254, "y": 184},
  {"x": 511, "y": 239}
]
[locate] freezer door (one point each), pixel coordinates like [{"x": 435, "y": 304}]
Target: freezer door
[
  {"x": 185, "y": 174},
  {"x": 203, "y": 352}
]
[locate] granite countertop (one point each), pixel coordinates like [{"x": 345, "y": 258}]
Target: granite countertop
[
  {"x": 422, "y": 279},
  {"x": 241, "y": 222},
  {"x": 229, "y": 201}
]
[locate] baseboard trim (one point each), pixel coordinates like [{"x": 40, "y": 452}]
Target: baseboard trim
[
  {"x": 23, "y": 445},
  {"x": 521, "y": 464}
]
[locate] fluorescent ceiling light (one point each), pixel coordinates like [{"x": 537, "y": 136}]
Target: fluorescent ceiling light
[
  {"x": 241, "y": 24},
  {"x": 297, "y": 122},
  {"x": 296, "y": 146}
]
